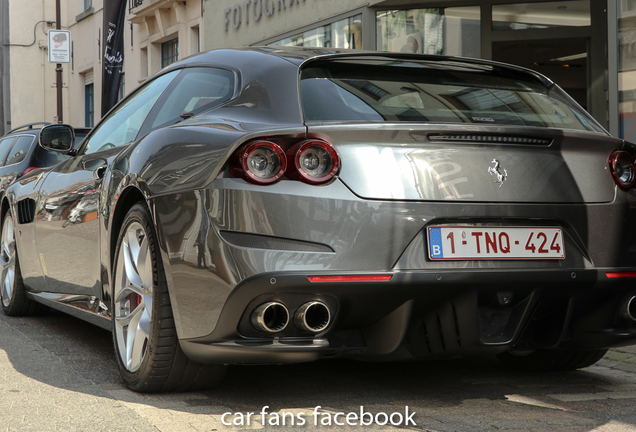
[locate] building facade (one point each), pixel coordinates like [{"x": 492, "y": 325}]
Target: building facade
[
  {"x": 585, "y": 46},
  {"x": 27, "y": 89},
  {"x": 156, "y": 33},
  {"x": 588, "y": 47},
  {"x": 84, "y": 74},
  {"x": 164, "y": 31}
]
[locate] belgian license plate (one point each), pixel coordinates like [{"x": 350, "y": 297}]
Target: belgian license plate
[{"x": 447, "y": 242}]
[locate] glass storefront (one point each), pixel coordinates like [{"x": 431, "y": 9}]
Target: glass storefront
[
  {"x": 446, "y": 31},
  {"x": 566, "y": 40},
  {"x": 523, "y": 16},
  {"x": 627, "y": 69},
  {"x": 344, "y": 33}
]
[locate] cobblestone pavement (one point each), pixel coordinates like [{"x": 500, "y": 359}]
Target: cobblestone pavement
[{"x": 59, "y": 373}]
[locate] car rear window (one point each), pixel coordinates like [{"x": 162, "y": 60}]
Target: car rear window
[{"x": 446, "y": 92}]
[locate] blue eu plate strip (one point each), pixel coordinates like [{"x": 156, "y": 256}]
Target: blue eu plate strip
[{"x": 435, "y": 242}]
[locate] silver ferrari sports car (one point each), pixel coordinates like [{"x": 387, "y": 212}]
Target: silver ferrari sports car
[{"x": 279, "y": 205}]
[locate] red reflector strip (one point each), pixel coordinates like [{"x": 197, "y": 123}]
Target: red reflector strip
[
  {"x": 357, "y": 278},
  {"x": 621, "y": 275}
]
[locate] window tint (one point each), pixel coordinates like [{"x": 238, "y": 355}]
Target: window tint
[
  {"x": 5, "y": 145},
  {"x": 45, "y": 158},
  {"x": 403, "y": 91},
  {"x": 20, "y": 149},
  {"x": 194, "y": 91},
  {"x": 123, "y": 124}
]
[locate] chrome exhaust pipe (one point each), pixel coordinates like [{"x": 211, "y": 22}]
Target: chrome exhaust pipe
[
  {"x": 628, "y": 309},
  {"x": 270, "y": 317},
  {"x": 312, "y": 317}
]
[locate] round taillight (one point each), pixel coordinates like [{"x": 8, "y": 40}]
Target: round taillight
[
  {"x": 623, "y": 169},
  {"x": 316, "y": 161},
  {"x": 263, "y": 162}
]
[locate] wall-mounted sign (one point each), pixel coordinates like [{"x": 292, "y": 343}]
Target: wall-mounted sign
[
  {"x": 254, "y": 10},
  {"x": 59, "y": 46}
]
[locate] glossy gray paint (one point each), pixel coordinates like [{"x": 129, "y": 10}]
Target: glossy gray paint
[{"x": 372, "y": 217}]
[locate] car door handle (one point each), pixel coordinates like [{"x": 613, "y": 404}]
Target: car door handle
[{"x": 98, "y": 174}]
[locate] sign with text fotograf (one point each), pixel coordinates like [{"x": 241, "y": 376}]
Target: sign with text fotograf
[{"x": 59, "y": 46}]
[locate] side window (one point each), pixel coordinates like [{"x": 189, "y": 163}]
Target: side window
[
  {"x": 5, "y": 145},
  {"x": 195, "y": 90},
  {"x": 122, "y": 125},
  {"x": 20, "y": 149},
  {"x": 45, "y": 158}
]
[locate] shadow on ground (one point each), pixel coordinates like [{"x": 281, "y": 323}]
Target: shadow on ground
[{"x": 453, "y": 394}]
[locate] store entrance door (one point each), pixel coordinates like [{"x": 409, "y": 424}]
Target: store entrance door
[
  {"x": 565, "y": 40},
  {"x": 563, "y": 60}
]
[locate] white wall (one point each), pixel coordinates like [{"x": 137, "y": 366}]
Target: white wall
[
  {"x": 32, "y": 77},
  {"x": 88, "y": 46}
]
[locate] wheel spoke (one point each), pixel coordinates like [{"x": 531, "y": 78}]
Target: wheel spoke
[
  {"x": 7, "y": 260},
  {"x": 7, "y": 286},
  {"x": 128, "y": 290},
  {"x": 131, "y": 254},
  {"x": 136, "y": 339}
]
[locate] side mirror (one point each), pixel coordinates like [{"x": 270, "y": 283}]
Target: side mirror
[{"x": 58, "y": 138}]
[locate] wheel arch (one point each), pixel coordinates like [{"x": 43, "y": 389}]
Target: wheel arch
[{"x": 128, "y": 198}]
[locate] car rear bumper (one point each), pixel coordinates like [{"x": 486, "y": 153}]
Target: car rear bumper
[{"x": 418, "y": 314}]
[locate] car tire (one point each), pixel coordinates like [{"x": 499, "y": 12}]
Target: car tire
[
  {"x": 13, "y": 295},
  {"x": 550, "y": 360},
  {"x": 144, "y": 333}
]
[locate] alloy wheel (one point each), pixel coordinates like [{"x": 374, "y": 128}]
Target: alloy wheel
[
  {"x": 7, "y": 260},
  {"x": 133, "y": 296}
]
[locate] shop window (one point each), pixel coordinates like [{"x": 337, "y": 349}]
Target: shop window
[
  {"x": 345, "y": 33},
  {"x": 627, "y": 73},
  {"x": 447, "y": 31},
  {"x": 522, "y": 16},
  {"x": 627, "y": 6},
  {"x": 169, "y": 52}
]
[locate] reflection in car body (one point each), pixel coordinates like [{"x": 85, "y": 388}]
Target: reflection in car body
[{"x": 280, "y": 205}]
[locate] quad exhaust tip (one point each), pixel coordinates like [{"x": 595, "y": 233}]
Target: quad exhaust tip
[
  {"x": 270, "y": 317},
  {"x": 313, "y": 317},
  {"x": 628, "y": 309}
]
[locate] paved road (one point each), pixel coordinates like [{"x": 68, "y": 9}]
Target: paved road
[{"x": 58, "y": 373}]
